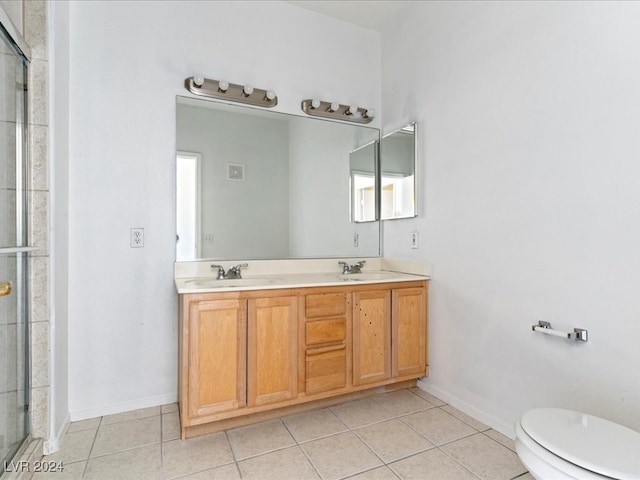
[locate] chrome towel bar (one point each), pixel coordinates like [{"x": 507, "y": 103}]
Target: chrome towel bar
[{"x": 545, "y": 327}]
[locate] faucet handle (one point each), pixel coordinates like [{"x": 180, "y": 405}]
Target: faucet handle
[
  {"x": 236, "y": 270},
  {"x": 345, "y": 267},
  {"x": 361, "y": 263},
  {"x": 221, "y": 273}
]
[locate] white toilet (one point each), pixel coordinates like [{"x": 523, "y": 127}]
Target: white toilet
[{"x": 557, "y": 444}]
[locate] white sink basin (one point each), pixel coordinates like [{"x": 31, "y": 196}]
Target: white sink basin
[
  {"x": 231, "y": 283},
  {"x": 366, "y": 276}
]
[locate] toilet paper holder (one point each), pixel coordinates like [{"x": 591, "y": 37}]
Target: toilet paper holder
[{"x": 545, "y": 327}]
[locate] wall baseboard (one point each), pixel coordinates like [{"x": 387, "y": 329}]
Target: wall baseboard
[
  {"x": 465, "y": 407},
  {"x": 123, "y": 407}
]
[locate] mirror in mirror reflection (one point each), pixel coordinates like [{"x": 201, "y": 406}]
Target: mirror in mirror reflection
[
  {"x": 397, "y": 153},
  {"x": 255, "y": 184},
  {"x": 398, "y": 173}
]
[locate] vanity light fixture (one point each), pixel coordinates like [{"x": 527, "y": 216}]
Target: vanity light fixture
[
  {"x": 223, "y": 90},
  {"x": 347, "y": 113}
]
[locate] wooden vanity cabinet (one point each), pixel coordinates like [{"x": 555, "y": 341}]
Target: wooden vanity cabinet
[
  {"x": 246, "y": 353},
  {"x": 214, "y": 350},
  {"x": 325, "y": 340},
  {"x": 389, "y": 334},
  {"x": 272, "y": 350},
  {"x": 371, "y": 336},
  {"x": 238, "y": 351},
  {"x": 409, "y": 331}
]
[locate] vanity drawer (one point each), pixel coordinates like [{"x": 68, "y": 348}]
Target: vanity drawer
[
  {"x": 325, "y": 305},
  {"x": 330, "y": 330},
  {"x": 326, "y": 369}
]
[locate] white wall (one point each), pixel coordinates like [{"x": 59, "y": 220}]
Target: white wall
[
  {"x": 59, "y": 171},
  {"x": 128, "y": 61},
  {"x": 529, "y": 148}
]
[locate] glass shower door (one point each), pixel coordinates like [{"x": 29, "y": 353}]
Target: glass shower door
[{"x": 13, "y": 251}]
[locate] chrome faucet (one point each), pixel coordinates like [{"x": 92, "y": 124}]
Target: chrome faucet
[
  {"x": 233, "y": 273},
  {"x": 356, "y": 268}
]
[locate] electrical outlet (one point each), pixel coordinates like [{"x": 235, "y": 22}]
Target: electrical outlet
[
  {"x": 137, "y": 238},
  {"x": 414, "y": 239},
  {"x": 208, "y": 238},
  {"x": 355, "y": 239}
]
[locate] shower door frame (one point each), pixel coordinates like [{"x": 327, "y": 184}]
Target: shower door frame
[{"x": 21, "y": 249}]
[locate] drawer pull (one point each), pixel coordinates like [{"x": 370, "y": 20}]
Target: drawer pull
[{"x": 317, "y": 351}]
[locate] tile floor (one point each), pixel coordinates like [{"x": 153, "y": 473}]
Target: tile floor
[{"x": 407, "y": 434}]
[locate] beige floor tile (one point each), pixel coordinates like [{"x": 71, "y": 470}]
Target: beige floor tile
[
  {"x": 137, "y": 464},
  {"x": 288, "y": 463},
  {"x": 472, "y": 422},
  {"x": 169, "y": 408},
  {"x": 526, "y": 476},
  {"x": 402, "y": 402},
  {"x": 76, "y": 447},
  {"x": 182, "y": 457},
  {"x": 124, "y": 435},
  {"x": 500, "y": 438},
  {"x": 314, "y": 424},
  {"x": 360, "y": 413},
  {"x": 380, "y": 473},
  {"x": 485, "y": 457},
  {"x": 428, "y": 397},
  {"x": 438, "y": 426},
  {"x": 432, "y": 465},
  {"x": 259, "y": 438},
  {"x": 170, "y": 426},
  {"x": 226, "y": 472},
  {"x": 132, "y": 415},
  {"x": 89, "y": 424},
  {"x": 70, "y": 471},
  {"x": 340, "y": 455},
  {"x": 393, "y": 440}
]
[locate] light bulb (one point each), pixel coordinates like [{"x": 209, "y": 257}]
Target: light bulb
[
  {"x": 270, "y": 95},
  {"x": 370, "y": 113},
  {"x": 315, "y": 103},
  {"x": 352, "y": 110},
  {"x": 198, "y": 80},
  {"x": 223, "y": 86},
  {"x": 248, "y": 90},
  {"x": 334, "y": 107}
]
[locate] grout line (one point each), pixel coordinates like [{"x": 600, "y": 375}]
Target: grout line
[
  {"x": 233, "y": 453},
  {"x": 459, "y": 463},
  {"x": 93, "y": 443}
]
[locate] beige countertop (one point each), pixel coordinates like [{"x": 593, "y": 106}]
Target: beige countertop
[{"x": 199, "y": 277}]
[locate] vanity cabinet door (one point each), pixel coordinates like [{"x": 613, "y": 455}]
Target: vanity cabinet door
[
  {"x": 272, "y": 350},
  {"x": 217, "y": 356},
  {"x": 371, "y": 336},
  {"x": 409, "y": 331}
]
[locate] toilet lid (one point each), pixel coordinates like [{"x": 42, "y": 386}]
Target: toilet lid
[{"x": 590, "y": 442}]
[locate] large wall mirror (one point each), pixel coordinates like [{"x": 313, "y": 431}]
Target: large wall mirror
[{"x": 256, "y": 184}]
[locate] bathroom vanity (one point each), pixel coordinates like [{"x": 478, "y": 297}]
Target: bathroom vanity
[{"x": 268, "y": 345}]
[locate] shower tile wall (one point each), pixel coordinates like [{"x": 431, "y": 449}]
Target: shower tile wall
[{"x": 35, "y": 33}]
